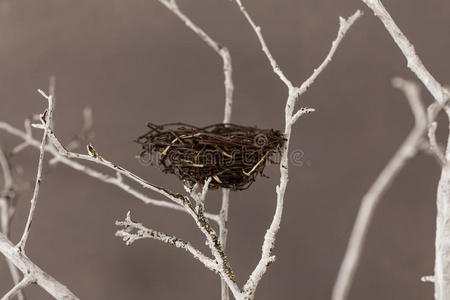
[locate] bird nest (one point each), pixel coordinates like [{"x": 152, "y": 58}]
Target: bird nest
[{"x": 231, "y": 155}]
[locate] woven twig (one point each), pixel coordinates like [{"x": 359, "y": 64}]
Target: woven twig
[{"x": 232, "y": 155}]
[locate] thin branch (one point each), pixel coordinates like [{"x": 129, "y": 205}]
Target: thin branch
[
  {"x": 370, "y": 201},
  {"x": 222, "y": 51},
  {"x": 229, "y": 87},
  {"x": 94, "y": 173},
  {"x": 47, "y": 121},
  {"x": 265, "y": 49},
  {"x": 294, "y": 92},
  {"x": 7, "y": 210},
  {"x": 6, "y": 170},
  {"x": 302, "y": 111},
  {"x": 344, "y": 26},
  {"x": 198, "y": 215},
  {"x": 135, "y": 231}
]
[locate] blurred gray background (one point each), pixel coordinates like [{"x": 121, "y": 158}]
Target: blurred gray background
[{"x": 134, "y": 61}]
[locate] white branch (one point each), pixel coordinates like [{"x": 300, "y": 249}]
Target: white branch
[
  {"x": 94, "y": 173},
  {"x": 135, "y": 231},
  {"x": 222, "y": 51},
  {"x": 265, "y": 49},
  {"x": 47, "y": 121},
  {"x": 414, "y": 63},
  {"x": 302, "y": 111},
  {"x": 344, "y": 26},
  {"x": 198, "y": 215},
  {"x": 290, "y": 118},
  {"x": 370, "y": 200},
  {"x": 37, "y": 275}
]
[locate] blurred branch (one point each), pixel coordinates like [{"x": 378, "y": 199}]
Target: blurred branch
[
  {"x": 441, "y": 95},
  {"x": 7, "y": 210},
  {"x": 18, "y": 288},
  {"x": 407, "y": 150}
]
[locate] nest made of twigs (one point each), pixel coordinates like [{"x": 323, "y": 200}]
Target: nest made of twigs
[{"x": 230, "y": 154}]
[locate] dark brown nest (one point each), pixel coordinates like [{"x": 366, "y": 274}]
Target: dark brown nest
[{"x": 232, "y": 155}]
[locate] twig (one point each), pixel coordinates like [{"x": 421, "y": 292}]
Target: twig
[
  {"x": 24, "y": 144},
  {"x": 47, "y": 122},
  {"x": 221, "y": 50},
  {"x": 94, "y": 173},
  {"x": 198, "y": 216},
  {"x": 135, "y": 231},
  {"x": 344, "y": 26},
  {"x": 277, "y": 70},
  {"x": 370, "y": 200},
  {"x": 302, "y": 111}
]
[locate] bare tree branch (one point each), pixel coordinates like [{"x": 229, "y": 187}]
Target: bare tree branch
[
  {"x": 180, "y": 202},
  {"x": 222, "y": 51},
  {"x": 47, "y": 122},
  {"x": 294, "y": 92},
  {"x": 135, "y": 231},
  {"x": 197, "y": 214},
  {"x": 441, "y": 95},
  {"x": 371, "y": 199},
  {"x": 33, "y": 272},
  {"x": 29, "y": 141}
]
